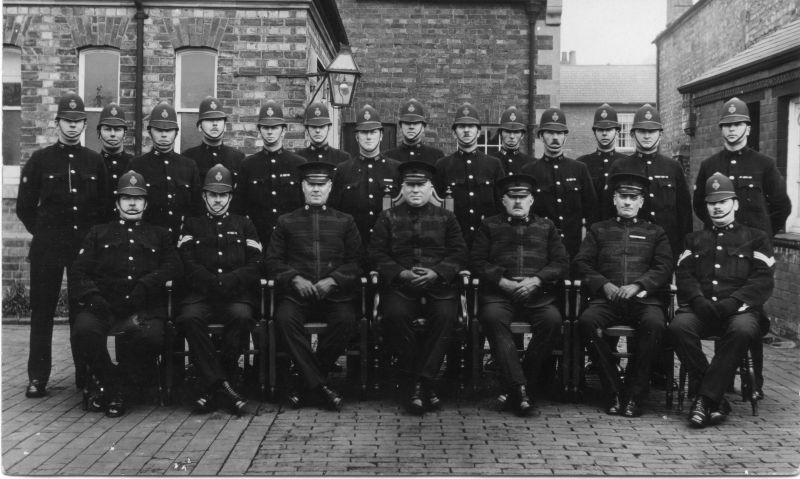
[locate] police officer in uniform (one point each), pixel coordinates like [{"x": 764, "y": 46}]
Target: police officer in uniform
[
  {"x": 564, "y": 190},
  {"x": 314, "y": 257},
  {"x": 725, "y": 275},
  {"x": 212, "y": 150},
  {"x": 606, "y": 127},
  {"x": 119, "y": 281},
  {"x": 222, "y": 258},
  {"x": 625, "y": 262},
  {"x": 418, "y": 250},
  {"x": 469, "y": 174},
  {"x": 63, "y": 192},
  {"x": 317, "y": 121},
  {"x": 412, "y": 123},
  {"x": 512, "y": 131},
  {"x": 519, "y": 257},
  {"x": 667, "y": 202},
  {"x": 111, "y": 130},
  {"x": 268, "y": 179},
  {"x": 173, "y": 181},
  {"x": 360, "y": 184}
]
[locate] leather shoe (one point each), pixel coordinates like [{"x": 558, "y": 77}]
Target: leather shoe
[
  {"x": 523, "y": 404},
  {"x": 97, "y": 401},
  {"x": 294, "y": 398},
  {"x": 614, "y": 405},
  {"x": 719, "y": 413},
  {"x": 116, "y": 406},
  {"x": 35, "y": 389},
  {"x": 236, "y": 402},
  {"x": 698, "y": 416},
  {"x": 434, "y": 402},
  {"x": 331, "y": 398},
  {"x": 203, "y": 404},
  {"x": 415, "y": 404},
  {"x": 633, "y": 408}
]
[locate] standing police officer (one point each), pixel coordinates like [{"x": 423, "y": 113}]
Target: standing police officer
[
  {"x": 314, "y": 256},
  {"x": 470, "y": 174},
  {"x": 360, "y": 184},
  {"x": 667, "y": 202},
  {"x": 606, "y": 127},
  {"x": 63, "y": 192},
  {"x": 212, "y": 150},
  {"x": 412, "y": 125},
  {"x": 564, "y": 190},
  {"x": 317, "y": 121},
  {"x": 222, "y": 259},
  {"x": 119, "y": 282},
  {"x": 111, "y": 130},
  {"x": 268, "y": 179},
  {"x": 512, "y": 131},
  {"x": 173, "y": 181},
  {"x": 519, "y": 257},
  {"x": 725, "y": 275}
]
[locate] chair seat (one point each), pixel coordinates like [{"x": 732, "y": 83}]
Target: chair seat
[{"x": 619, "y": 331}]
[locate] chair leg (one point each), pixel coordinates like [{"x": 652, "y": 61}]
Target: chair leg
[
  {"x": 364, "y": 355},
  {"x": 669, "y": 365},
  {"x": 566, "y": 359},
  {"x": 681, "y": 386},
  {"x": 159, "y": 384},
  {"x": 169, "y": 364},
  {"x": 477, "y": 353},
  {"x": 273, "y": 374},
  {"x": 262, "y": 361},
  {"x": 748, "y": 382},
  {"x": 577, "y": 360}
]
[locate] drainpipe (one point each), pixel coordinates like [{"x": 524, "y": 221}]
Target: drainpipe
[
  {"x": 532, "y": 9},
  {"x": 139, "y": 88}
]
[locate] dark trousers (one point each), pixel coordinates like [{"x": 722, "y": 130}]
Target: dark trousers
[
  {"x": 649, "y": 323},
  {"x": 736, "y": 333},
  {"x": 420, "y": 357},
  {"x": 135, "y": 348},
  {"x": 238, "y": 320},
  {"x": 290, "y": 318},
  {"x": 496, "y": 318}
]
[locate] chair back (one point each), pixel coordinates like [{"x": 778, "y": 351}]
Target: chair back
[{"x": 436, "y": 200}]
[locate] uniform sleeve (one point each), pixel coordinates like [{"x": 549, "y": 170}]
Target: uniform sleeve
[
  {"x": 699, "y": 202},
  {"x": 686, "y": 277},
  {"x": 660, "y": 271},
  {"x": 81, "y": 282},
  {"x": 558, "y": 266},
  {"x": 28, "y": 193},
  {"x": 456, "y": 248},
  {"x": 169, "y": 269},
  {"x": 585, "y": 262},
  {"x": 198, "y": 276},
  {"x": 250, "y": 272},
  {"x": 591, "y": 211},
  {"x": 348, "y": 273},
  {"x": 778, "y": 203},
  {"x": 480, "y": 261},
  {"x": 277, "y": 252},
  {"x": 380, "y": 249},
  {"x": 683, "y": 200},
  {"x": 760, "y": 283}
]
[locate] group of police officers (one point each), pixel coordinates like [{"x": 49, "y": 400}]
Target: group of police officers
[{"x": 214, "y": 221}]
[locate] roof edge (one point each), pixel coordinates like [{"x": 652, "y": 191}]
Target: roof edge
[
  {"x": 690, "y": 12},
  {"x": 775, "y": 60}
]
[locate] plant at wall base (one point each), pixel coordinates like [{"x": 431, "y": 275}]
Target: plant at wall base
[{"x": 16, "y": 301}]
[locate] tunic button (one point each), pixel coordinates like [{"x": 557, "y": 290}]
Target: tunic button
[
  {"x": 472, "y": 228},
  {"x": 130, "y": 241},
  {"x": 652, "y": 195},
  {"x": 652, "y": 213},
  {"x": 713, "y": 298},
  {"x": 169, "y": 196},
  {"x": 130, "y": 230},
  {"x": 114, "y": 162},
  {"x": 274, "y": 210},
  {"x": 469, "y": 162},
  {"x": 370, "y": 195},
  {"x": 219, "y": 236},
  {"x": 714, "y": 282},
  {"x": 558, "y": 200},
  {"x": 719, "y": 248},
  {"x": 75, "y": 208},
  {"x": 273, "y": 176},
  {"x": 272, "y": 160},
  {"x": 220, "y": 270},
  {"x": 371, "y": 213},
  {"x": 649, "y": 162},
  {"x": 71, "y": 156},
  {"x": 74, "y": 190},
  {"x": 369, "y": 165},
  {"x": 471, "y": 211},
  {"x": 274, "y": 193},
  {"x": 470, "y": 177},
  {"x": 555, "y": 166},
  {"x": 733, "y": 162},
  {"x": 561, "y": 217},
  {"x": 732, "y": 177},
  {"x": 170, "y": 212},
  {"x": 169, "y": 178},
  {"x": 717, "y": 266},
  {"x": 130, "y": 277},
  {"x": 605, "y": 160},
  {"x": 72, "y": 171},
  {"x": 219, "y": 253},
  {"x": 370, "y": 180},
  {"x": 411, "y": 153},
  {"x": 214, "y": 153},
  {"x": 130, "y": 258},
  {"x": 558, "y": 182},
  {"x": 75, "y": 227},
  {"x": 472, "y": 193}
]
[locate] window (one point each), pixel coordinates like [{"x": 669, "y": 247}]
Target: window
[
  {"x": 624, "y": 139},
  {"x": 12, "y": 105},
  {"x": 793, "y": 167},
  {"x": 489, "y": 140},
  {"x": 98, "y": 85},
  {"x": 195, "y": 79}
]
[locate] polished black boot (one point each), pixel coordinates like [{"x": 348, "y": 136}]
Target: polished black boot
[
  {"x": 236, "y": 402},
  {"x": 699, "y": 415},
  {"x": 523, "y": 405},
  {"x": 633, "y": 408},
  {"x": 719, "y": 413},
  {"x": 36, "y": 389},
  {"x": 415, "y": 402},
  {"x": 331, "y": 398},
  {"x": 614, "y": 406},
  {"x": 203, "y": 404},
  {"x": 434, "y": 402},
  {"x": 116, "y": 406}
]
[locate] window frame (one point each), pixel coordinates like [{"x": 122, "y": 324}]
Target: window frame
[
  {"x": 11, "y": 173},
  {"x": 793, "y": 167},
  {"x": 82, "y": 84},
  {"x": 625, "y": 133},
  {"x": 179, "y": 110}
]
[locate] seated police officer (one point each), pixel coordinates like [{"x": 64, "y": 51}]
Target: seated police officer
[
  {"x": 118, "y": 283},
  {"x": 418, "y": 250},
  {"x": 625, "y": 262},
  {"x": 518, "y": 257},
  {"x": 314, "y": 257},
  {"x": 725, "y": 275},
  {"x": 222, "y": 259}
]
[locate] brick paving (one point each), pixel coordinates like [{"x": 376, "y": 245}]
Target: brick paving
[{"x": 54, "y": 436}]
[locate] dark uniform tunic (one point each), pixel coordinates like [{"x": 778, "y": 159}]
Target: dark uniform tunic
[
  {"x": 418, "y": 152},
  {"x": 565, "y": 195},
  {"x": 598, "y": 164},
  {"x": 471, "y": 178},
  {"x": 327, "y": 153},
  {"x": 268, "y": 187},
  {"x": 315, "y": 243},
  {"x": 222, "y": 260},
  {"x": 718, "y": 263},
  {"x": 625, "y": 251},
  {"x": 115, "y": 259},
  {"x": 173, "y": 188},
  {"x": 763, "y": 202},
  {"x": 62, "y": 193},
  {"x": 511, "y": 248},
  {"x": 405, "y": 237},
  {"x": 513, "y": 160},
  {"x": 206, "y": 156},
  {"x": 359, "y": 186},
  {"x": 667, "y": 202}
]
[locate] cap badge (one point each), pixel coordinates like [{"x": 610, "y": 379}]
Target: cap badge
[
  {"x": 604, "y": 114},
  {"x": 317, "y": 112},
  {"x": 732, "y": 109},
  {"x": 367, "y": 115},
  {"x": 133, "y": 180},
  {"x": 218, "y": 176},
  {"x": 113, "y": 111},
  {"x": 164, "y": 114},
  {"x": 269, "y": 111},
  {"x": 512, "y": 117},
  {"x": 465, "y": 111},
  {"x": 72, "y": 105},
  {"x": 213, "y": 105},
  {"x": 648, "y": 115},
  {"x": 555, "y": 116},
  {"x": 715, "y": 185},
  {"x": 411, "y": 108}
]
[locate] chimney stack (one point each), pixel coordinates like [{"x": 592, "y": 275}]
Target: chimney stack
[
  {"x": 572, "y": 57},
  {"x": 564, "y": 58}
]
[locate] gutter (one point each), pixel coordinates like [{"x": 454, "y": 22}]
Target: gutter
[
  {"x": 138, "y": 90},
  {"x": 532, "y": 9}
]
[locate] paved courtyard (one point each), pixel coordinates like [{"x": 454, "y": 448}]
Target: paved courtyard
[{"x": 54, "y": 436}]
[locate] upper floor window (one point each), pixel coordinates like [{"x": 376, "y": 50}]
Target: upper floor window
[
  {"x": 624, "y": 138},
  {"x": 489, "y": 140},
  {"x": 98, "y": 85},
  {"x": 195, "y": 79},
  {"x": 12, "y": 104}
]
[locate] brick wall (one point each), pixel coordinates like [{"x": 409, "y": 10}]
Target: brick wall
[
  {"x": 765, "y": 16},
  {"x": 782, "y": 306},
  {"x": 580, "y": 119}
]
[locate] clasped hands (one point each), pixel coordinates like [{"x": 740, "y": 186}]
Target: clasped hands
[
  {"x": 520, "y": 289},
  {"x": 419, "y": 277},
  {"x": 616, "y": 293},
  {"x": 308, "y": 290}
]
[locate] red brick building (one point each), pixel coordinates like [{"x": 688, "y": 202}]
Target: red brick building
[{"x": 712, "y": 50}]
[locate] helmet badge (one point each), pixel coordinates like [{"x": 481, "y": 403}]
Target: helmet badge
[
  {"x": 73, "y": 105},
  {"x": 218, "y": 176},
  {"x": 465, "y": 111},
  {"x": 113, "y": 111},
  {"x": 512, "y": 117},
  {"x": 604, "y": 114},
  {"x": 213, "y": 105},
  {"x": 133, "y": 180},
  {"x": 367, "y": 115},
  {"x": 555, "y": 116},
  {"x": 164, "y": 114},
  {"x": 411, "y": 108},
  {"x": 732, "y": 109},
  {"x": 648, "y": 115},
  {"x": 269, "y": 111},
  {"x": 317, "y": 112},
  {"x": 715, "y": 185}
]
